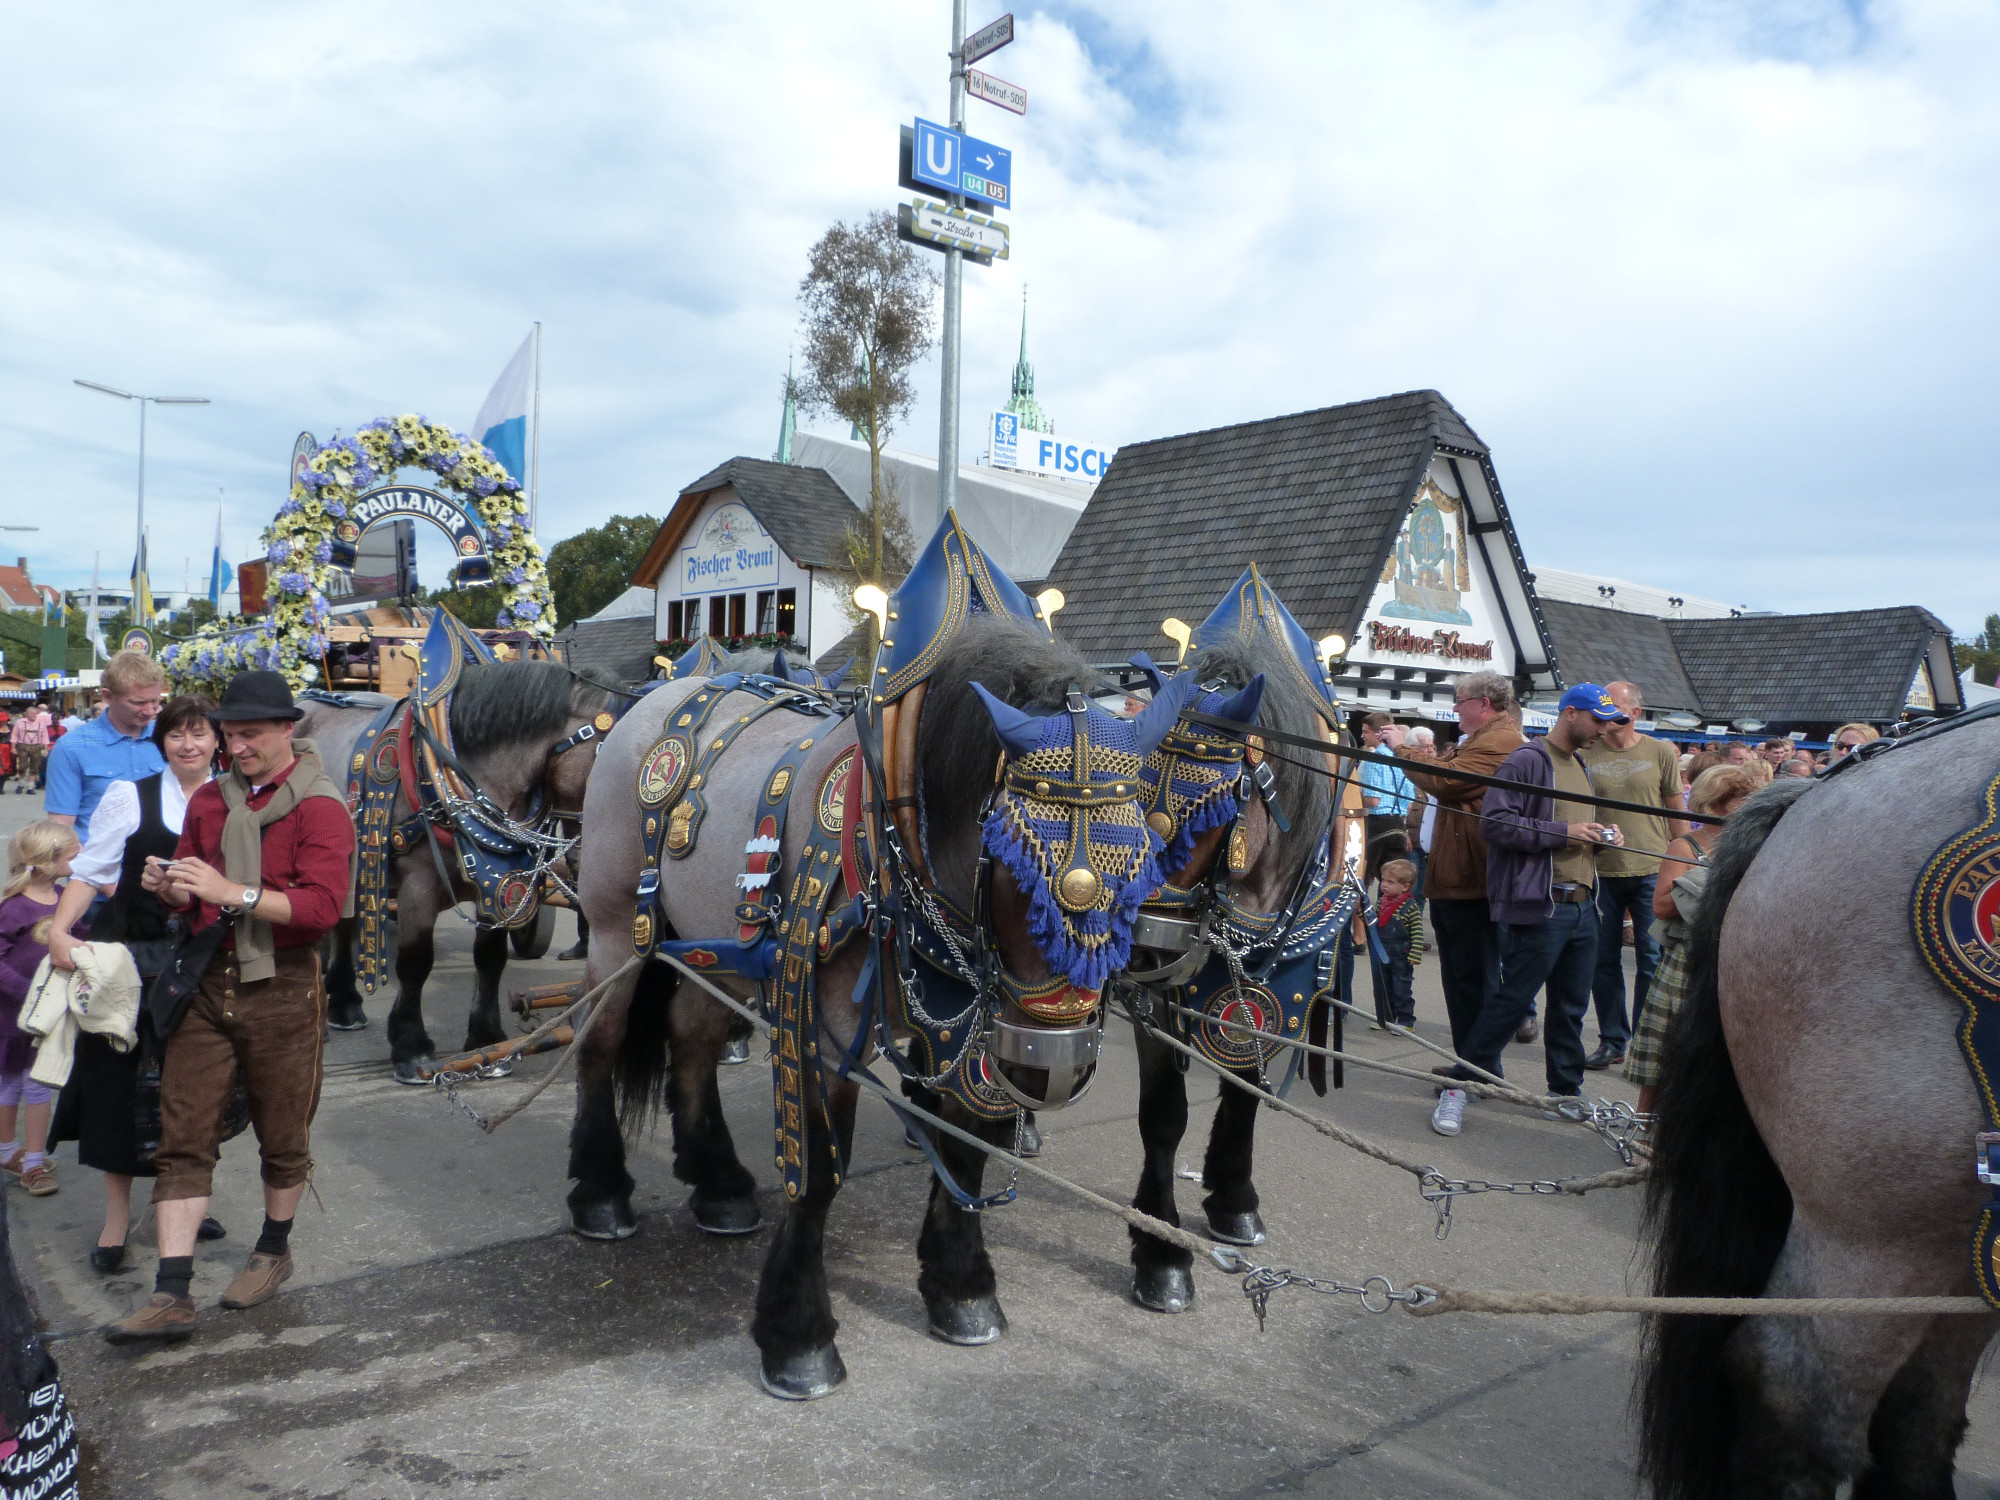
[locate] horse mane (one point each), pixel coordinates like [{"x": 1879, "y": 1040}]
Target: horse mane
[
  {"x": 503, "y": 703},
  {"x": 1305, "y": 792},
  {"x": 1019, "y": 663}
]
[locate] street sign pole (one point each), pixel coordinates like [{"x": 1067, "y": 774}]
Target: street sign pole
[{"x": 954, "y": 276}]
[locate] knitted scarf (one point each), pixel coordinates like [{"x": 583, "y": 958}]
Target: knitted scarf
[{"x": 243, "y": 845}]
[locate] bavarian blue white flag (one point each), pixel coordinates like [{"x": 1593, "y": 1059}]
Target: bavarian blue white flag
[
  {"x": 502, "y": 423},
  {"x": 220, "y": 575}
]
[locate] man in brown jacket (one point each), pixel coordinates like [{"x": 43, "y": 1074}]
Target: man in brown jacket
[{"x": 1468, "y": 948}]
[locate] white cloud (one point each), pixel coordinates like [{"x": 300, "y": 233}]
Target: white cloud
[{"x": 1712, "y": 279}]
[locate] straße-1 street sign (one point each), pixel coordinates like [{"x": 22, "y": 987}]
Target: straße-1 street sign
[{"x": 939, "y": 226}]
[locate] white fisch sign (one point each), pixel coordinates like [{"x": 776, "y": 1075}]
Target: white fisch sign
[{"x": 1012, "y": 446}]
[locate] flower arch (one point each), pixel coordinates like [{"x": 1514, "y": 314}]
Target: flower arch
[{"x": 312, "y": 534}]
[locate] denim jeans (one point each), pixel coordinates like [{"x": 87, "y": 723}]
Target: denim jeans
[
  {"x": 1561, "y": 952},
  {"x": 1468, "y": 950},
  {"x": 1616, "y": 896}
]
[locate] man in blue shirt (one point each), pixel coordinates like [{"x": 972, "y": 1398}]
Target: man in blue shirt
[
  {"x": 117, "y": 745},
  {"x": 1386, "y": 793}
]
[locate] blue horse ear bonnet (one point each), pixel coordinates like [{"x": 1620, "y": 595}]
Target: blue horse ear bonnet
[{"x": 1069, "y": 805}]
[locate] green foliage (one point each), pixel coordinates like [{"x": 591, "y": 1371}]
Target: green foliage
[
  {"x": 587, "y": 571},
  {"x": 478, "y": 606},
  {"x": 1981, "y": 653}
]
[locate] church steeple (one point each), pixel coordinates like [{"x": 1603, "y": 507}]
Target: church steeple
[
  {"x": 788, "y": 424},
  {"x": 1023, "y": 403}
]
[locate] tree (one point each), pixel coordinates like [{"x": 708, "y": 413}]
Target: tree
[
  {"x": 587, "y": 571},
  {"x": 868, "y": 307},
  {"x": 1982, "y": 652},
  {"x": 477, "y": 606}
]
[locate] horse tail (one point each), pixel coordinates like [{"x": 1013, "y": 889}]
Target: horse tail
[
  {"x": 1717, "y": 1207},
  {"x": 644, "y": 1069}
]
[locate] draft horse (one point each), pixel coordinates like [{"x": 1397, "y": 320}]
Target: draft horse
[
  {"x": 514, "y": 734},
  {"x": 1819, "y": 1133},
  {"x": 983, "y": 756}
]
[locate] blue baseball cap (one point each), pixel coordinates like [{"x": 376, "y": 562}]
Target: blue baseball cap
[{"x": 1594, "y": 701}]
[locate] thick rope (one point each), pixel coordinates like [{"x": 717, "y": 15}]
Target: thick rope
[{"x": 1460, "y": 1299}]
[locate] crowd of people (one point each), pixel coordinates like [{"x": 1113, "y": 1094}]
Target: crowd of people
[
  {"x": 161, "y": 922},
  {"x": 1533, "y": 892}
]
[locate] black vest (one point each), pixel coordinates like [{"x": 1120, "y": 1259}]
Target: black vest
[{"x": 133, "y": 914}]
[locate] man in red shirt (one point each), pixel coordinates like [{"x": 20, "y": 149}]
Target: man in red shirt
[{"x": 270, "y": 849}]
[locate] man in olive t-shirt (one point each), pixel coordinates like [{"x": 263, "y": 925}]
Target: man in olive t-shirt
[{"x": 1630, "y": 767}]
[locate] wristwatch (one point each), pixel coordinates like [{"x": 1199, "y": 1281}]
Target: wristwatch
[{"x": 249, "y": 899}]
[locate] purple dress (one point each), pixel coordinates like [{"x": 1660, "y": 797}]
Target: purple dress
[{"x": 20, "y": 956}]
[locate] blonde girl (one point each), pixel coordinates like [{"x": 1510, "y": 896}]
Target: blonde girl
[{"x": 38, "y": 857}]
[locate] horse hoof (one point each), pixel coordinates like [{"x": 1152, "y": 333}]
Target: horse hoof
[
  {"x": 416, "y": 1070},
  {"x": 347, "y": 1018},
  {"x": 1237, "y": 1229},
  {"x": 1028, "y": 1142},
  {"x": 727, "y": 1216},
  {"x": 979, "y": 1321},
  {"x": 1164, "y": 1289},
  {"x": 735, "y": 1053},
  {"x": 804, "y": 1377},
  {"x": 604, "y": 1219}
]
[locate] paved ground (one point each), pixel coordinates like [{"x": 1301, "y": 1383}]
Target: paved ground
[{"x": 446, "y": 1337}]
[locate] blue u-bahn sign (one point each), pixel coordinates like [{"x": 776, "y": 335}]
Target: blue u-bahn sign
[{"x": 954, "y": 162}]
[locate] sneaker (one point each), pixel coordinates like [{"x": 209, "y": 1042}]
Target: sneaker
[
  {"x": 258, "y": 1281},
  {"x": 163, "y": 1317},
  {"x": 1528, "y": 1030},
  {"x": 11, "y": 1162},
  {"x": 40, "y": 1181},
  {"x": 1450, "y": 1111}
]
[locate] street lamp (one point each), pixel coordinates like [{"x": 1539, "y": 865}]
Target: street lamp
[{"x": 111, "y": 390}]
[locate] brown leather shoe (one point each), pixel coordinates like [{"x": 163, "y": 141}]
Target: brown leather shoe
[
  {"x": 162, "y": 1318},
  {"x": 258, "y": 1281}
]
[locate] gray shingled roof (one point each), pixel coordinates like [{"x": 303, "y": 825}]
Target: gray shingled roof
[
  {"x": 802, "y": 508},
  {"x": 1314, "y": 499},
  {"x": 1609, "y": 645},
  {"x": 1826, "y": 668},
  {"x": 616, "y": 650}
]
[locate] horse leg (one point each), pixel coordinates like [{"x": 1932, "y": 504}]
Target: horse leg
[
  {"x": 795, "y": 1325},
  {"x": 1231, "y": 1204},
  {"x": 1162, "y": 1274},
  {"x": 343, "y": 997},
  {"x": 625, "y": 1051},
  {"x": 1807, "y": 1389},
  {"x": 725, "y": 1194},
  {"x": 411, "y": 1050},
  {"x": 489, "y": 962},
  {"x": 959, "y": 1290},
  {"x": 1920, "y": 1420}
]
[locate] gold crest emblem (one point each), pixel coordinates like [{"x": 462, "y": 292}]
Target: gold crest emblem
[
  {"x": 832, "y": 811},
  {"x": 661, "y": 772}
]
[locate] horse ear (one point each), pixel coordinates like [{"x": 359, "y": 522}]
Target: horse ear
[
  {"x": 1158, "y": 716},
  {"x": 779, "y": 667},
  {"x": 1019, "y": 732},
  {"x": 1243, "y": 707},
  {"x": 1152, "y": 672},
  {"x": 838, "y": 675}
]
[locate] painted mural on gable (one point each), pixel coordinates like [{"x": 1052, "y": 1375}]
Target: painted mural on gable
[{"x": 1428, "y": 566}]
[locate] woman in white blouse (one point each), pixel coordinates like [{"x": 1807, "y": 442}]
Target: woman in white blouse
[{"x": 101, "y": 1106}]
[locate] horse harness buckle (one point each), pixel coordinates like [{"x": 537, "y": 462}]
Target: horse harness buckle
[{"x": 1986, "y": 1157}]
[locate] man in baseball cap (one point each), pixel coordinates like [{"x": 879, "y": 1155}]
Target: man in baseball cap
[{"x": 1542, "y": 840}]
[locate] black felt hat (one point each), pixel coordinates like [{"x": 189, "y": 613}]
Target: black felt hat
[{"x": 257, "y": 695}]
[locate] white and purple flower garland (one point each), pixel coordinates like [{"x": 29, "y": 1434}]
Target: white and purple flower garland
[{"x": 291, "y": 635}]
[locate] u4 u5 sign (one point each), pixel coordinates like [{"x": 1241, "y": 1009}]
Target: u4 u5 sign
[{"x": 939, "y": 226}]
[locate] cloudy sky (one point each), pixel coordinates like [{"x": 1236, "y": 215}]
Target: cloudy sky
[{"x": 1714, "y": 278}]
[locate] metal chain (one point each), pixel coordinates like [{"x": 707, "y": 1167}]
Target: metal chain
[{"x": 1377, "y": 1293}]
